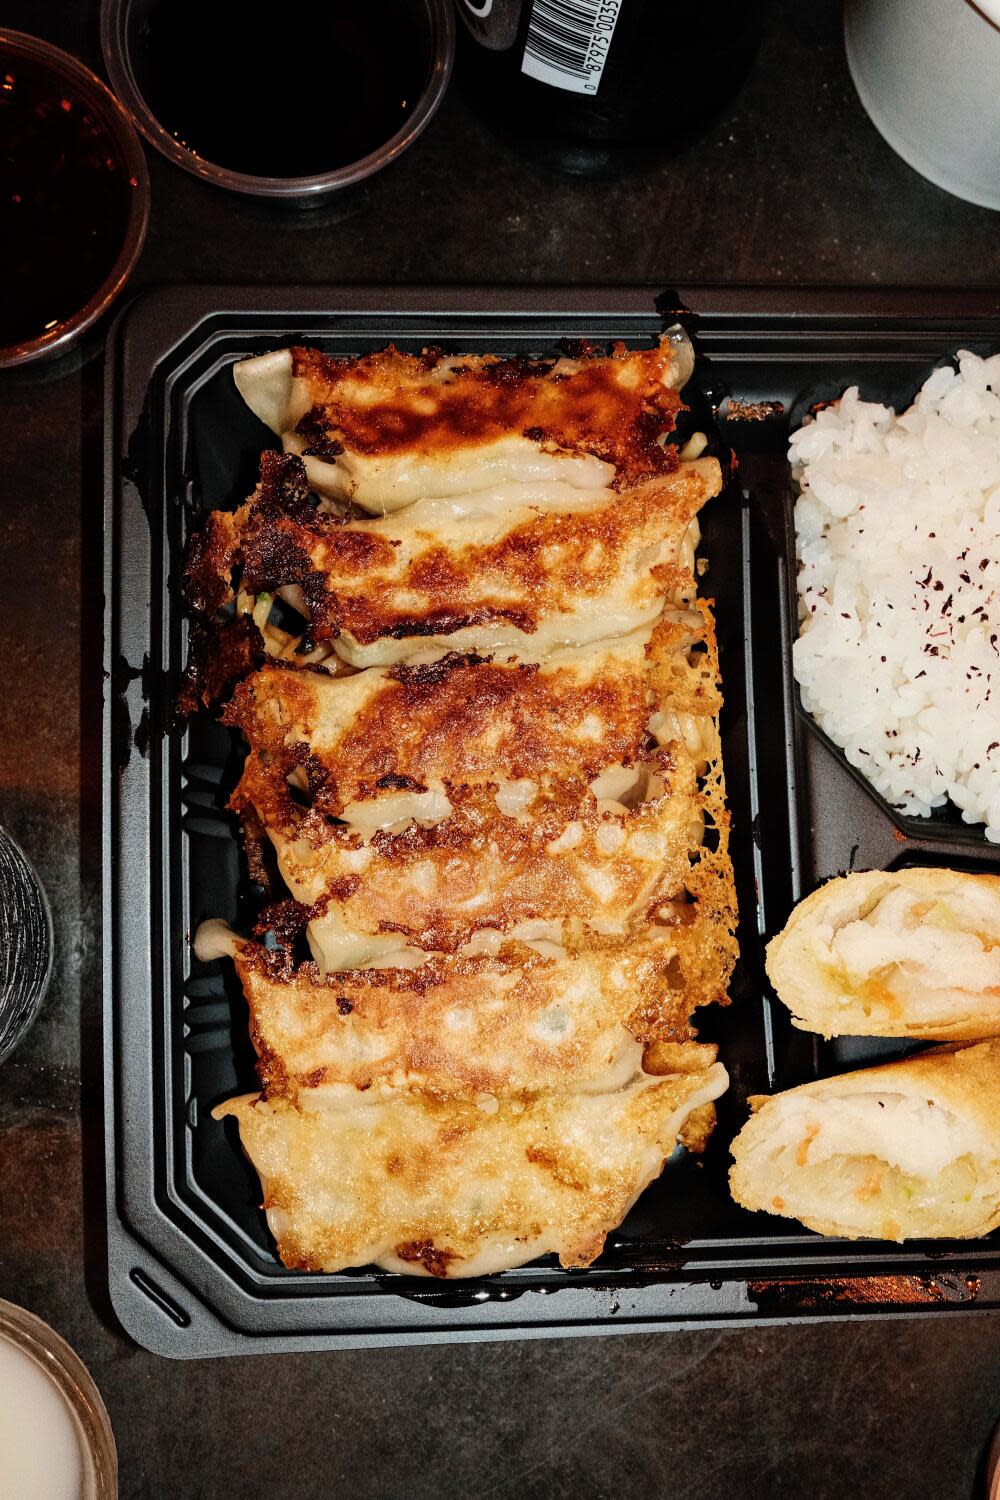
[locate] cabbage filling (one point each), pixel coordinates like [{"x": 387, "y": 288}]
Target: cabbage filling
[{"x": 875, "y": 1195}]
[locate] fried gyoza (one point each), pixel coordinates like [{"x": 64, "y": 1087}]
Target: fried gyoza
[
  {"x": 525, "y": 567},
  {"x": 384, "y": 796},
  {"x": 390, "y": 428},
  {"x": 485, "y": 751},
  {"x": 443, "y": 1187},
  {"x": 518, "y": 1022}
]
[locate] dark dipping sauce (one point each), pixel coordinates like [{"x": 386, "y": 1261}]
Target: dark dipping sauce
[
  {"x": 65, "y": 200},
  {"x": 282, "y": 90}
]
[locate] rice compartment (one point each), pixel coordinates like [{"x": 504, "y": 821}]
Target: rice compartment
[{"x": 898, "y": 536}]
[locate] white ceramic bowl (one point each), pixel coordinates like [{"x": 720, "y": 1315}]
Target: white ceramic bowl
[{"x": 928, "y": 73}]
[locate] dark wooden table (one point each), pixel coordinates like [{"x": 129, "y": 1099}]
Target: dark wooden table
[{"x": 792, "y": 186}]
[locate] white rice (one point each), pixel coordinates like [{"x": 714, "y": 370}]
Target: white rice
[{"x": 898, "y": 530}]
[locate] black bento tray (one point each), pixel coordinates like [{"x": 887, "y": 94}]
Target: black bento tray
[{"x": 192, "y": 1267}]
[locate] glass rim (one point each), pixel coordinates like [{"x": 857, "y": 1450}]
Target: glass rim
[
  {"x": 115, "y": 45},
  {"x": 9, "y": 846},
  {"x": 70, "y": 71},
  {"x": 78, "y": 1389}
]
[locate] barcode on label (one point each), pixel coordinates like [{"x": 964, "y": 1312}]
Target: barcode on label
[{"x": 568, "y": 42}]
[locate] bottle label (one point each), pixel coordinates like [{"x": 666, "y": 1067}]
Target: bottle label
[{"x": 568, "y": 42}]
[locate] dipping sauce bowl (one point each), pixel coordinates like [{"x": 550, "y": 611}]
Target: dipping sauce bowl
[
  {"x": 74, "y": 198},
  {"x": 289, "y": 108}
]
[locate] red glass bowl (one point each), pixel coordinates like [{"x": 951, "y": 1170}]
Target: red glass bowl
[{"x": 72, "y": 78}]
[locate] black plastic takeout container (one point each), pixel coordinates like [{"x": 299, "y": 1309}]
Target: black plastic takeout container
[{"x": 192, "y": 1267}]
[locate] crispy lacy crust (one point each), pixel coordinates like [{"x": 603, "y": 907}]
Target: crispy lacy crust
[
  {"x": 615, "y": 407},
  {"x": 442, "y": 1187},
  {"x": 706, "y": 935},
  {"x": 462, "y": 720},
  {"x": 467, "y": 1027},
  {"x": 567, "y": 857},
  {"x": 537, "y": 569}
]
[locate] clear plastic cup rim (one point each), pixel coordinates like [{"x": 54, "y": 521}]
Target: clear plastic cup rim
[{"x": 117, "y": 59}]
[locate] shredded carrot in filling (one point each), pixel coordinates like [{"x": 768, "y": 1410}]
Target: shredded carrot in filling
[
  {"x": 881, "y": 994},
  {"x": 871, "y": 991},
  {"x": 871, "y": 1187},
  {"x": 802, "y": 1154}
]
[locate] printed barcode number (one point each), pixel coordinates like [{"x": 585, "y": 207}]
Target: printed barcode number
[{"x": 568, "y": 42}]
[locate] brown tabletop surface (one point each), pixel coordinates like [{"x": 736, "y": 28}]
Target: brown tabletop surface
[{"x": 793, "y": 185}]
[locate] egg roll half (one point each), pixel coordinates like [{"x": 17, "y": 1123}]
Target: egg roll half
[
  {"x": 894, "y": 953},
  {"x": 909, "y": 1150}
]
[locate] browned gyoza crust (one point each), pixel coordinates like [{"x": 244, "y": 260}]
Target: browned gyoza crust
[
  {"x": 443, "y": 1187},
  {"x": 466, "y": 726},
  {"x": 506, "y": 1026},
  {"x": 541, "y": 572},
  {"x": 616, "y": 407},
  {"x": 488, "y": 761},
  {"x": 462, "y": 720}
]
